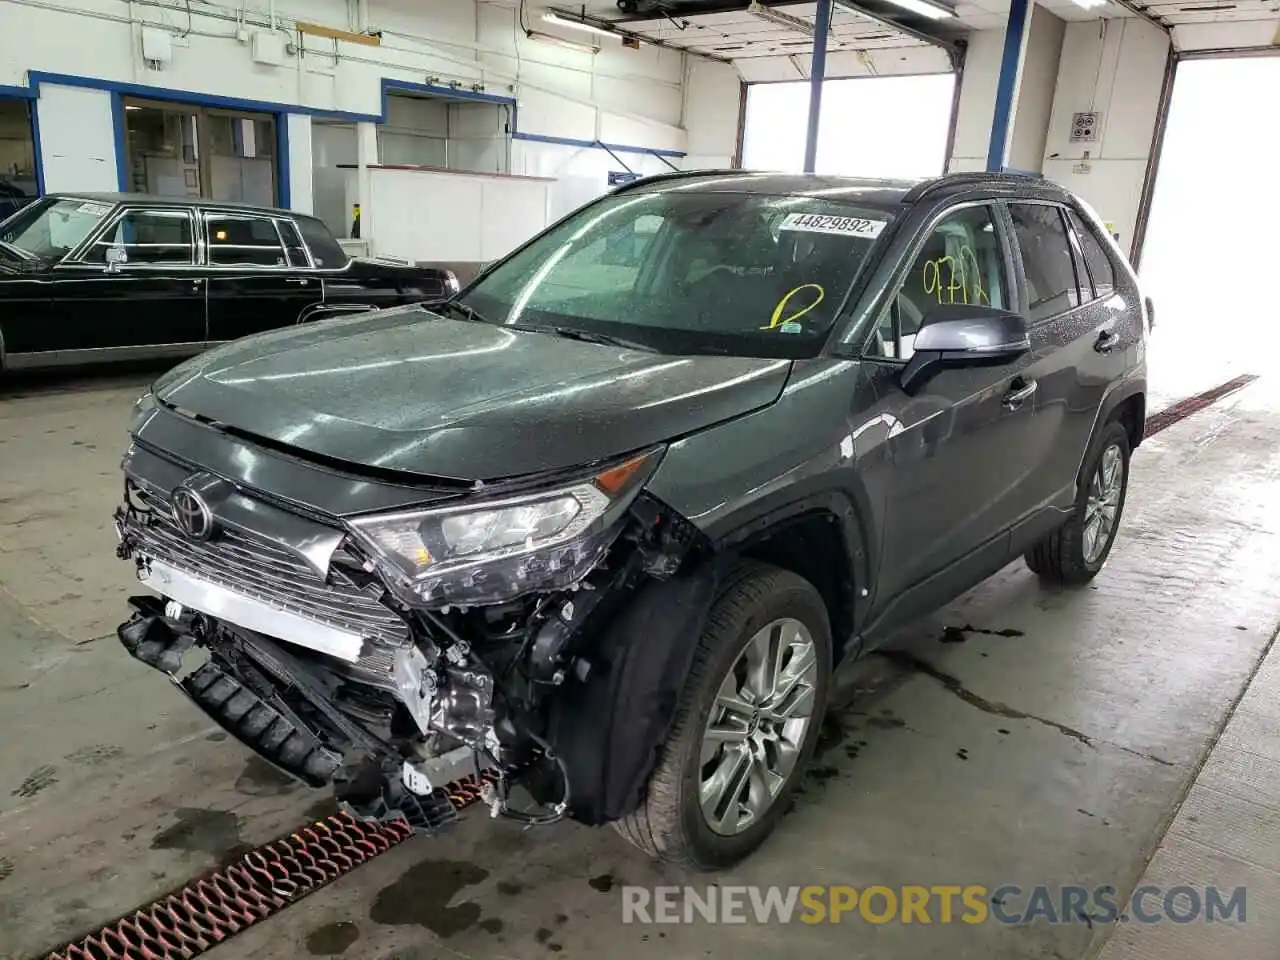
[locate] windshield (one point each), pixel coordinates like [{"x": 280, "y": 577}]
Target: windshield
[
  {"x": 52, "y": 230},
  {"x": 680, "y": 271}
]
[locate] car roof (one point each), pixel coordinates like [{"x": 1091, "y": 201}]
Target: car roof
[
  {"x": 880, "y": 192},
  {"x": 148, "y": 198}
]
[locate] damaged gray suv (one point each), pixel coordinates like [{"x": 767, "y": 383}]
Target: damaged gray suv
[{"x": 588, "y": 539}]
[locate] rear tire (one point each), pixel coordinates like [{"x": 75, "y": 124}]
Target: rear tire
[
  {"x": 764, "y": 615},
  {"x": 1074, "y": 553}
]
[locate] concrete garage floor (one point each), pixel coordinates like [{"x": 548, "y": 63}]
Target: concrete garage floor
[{"x": 1050, "y": 741}]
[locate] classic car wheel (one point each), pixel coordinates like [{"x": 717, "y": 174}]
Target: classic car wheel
[
  {"x": 745, "y": 725},
  {"x": 1075, "y": 552}
]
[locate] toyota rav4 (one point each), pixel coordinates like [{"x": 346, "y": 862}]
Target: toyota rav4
[{"x": 589, "y": 537}]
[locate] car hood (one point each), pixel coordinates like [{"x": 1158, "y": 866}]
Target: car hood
[{"x": 408, "y": 390}]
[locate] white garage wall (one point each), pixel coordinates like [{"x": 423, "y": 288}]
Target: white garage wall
[
  {"x": 1034, "y": 105},
  {"x": 977, "y": 104},
  {"x": 77, "y": 139},
  {"x": 617, "y": 92},
  {"x": 1117, "y": 68},
  {"x": 713, "y": 96}
]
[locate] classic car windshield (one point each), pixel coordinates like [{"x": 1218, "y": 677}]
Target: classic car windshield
[
  {"x": 52, "y": 230},
  {"x": 682, "y": 271}
]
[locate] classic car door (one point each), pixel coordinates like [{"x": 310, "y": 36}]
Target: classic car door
[
  {"x": 135, "y": 288},
  {"x": 260, "y": 277}
]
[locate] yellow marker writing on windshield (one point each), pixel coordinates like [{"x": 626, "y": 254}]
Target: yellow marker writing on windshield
[{"x": 778, "y": 318}]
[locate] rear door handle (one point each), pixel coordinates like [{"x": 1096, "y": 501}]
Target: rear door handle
[
  {"x": 1019, "y": 392},
  {"x": 1106, "y": 342},
  {"x": 301, "y": 281}
]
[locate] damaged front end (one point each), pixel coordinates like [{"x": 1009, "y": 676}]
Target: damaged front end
[{"x": 396, "y": 655}]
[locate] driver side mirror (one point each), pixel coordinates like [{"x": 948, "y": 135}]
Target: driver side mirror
[
  {"x": 115, "y": 256},
  {"x": 959, "y": 335}
]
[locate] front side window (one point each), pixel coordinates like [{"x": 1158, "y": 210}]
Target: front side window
[
  {"x": 1041, "y": 232},
  {"x": 244, "y": 241},
  {"x": 683, "y": 271},
  {"x": 961, "y": 262},
  {"x": 1101, "y": 272},
  {"x": 147, "y": 237},
  {"x": 49, "y": 230}
]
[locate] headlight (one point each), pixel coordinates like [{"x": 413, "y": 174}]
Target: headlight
[{"x": 482, "y": 552}]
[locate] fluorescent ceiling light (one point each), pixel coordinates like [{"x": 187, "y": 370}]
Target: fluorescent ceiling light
[
  {"x": 925, "y": 8},
  {"x": 560, "y": 21},
  {"x": 780, "y": 19},
  {"x": 540, "y": 37},
  {"x": 1090, "y": 4}
]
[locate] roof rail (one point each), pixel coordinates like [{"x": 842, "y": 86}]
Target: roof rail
[
  {"x": 921, "y": 190},
  {"x": 675, "y": 175}
]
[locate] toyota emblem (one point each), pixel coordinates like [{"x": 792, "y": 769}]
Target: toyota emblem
[{"x": 191, "y": 514}]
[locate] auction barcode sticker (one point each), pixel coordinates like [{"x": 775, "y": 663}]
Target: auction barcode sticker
[{"x": 842, "y": 226}]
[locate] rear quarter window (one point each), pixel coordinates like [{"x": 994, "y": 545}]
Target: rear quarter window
[{"x": 325, "y": 250}]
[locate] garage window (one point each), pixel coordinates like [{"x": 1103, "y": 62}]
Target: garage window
[{"x": 1047, "y": 259}]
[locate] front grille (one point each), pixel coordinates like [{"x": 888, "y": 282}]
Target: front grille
[{"x": 265, "y": 571}]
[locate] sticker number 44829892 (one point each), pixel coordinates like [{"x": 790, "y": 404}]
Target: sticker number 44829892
[{"x": 842, "y": 226}]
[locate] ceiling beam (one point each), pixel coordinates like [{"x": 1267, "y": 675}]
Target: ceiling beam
[
  {"x": 918, "y": 28},
  {"x": 612, "y": 26}
]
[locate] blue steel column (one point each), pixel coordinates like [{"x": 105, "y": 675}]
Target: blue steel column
[
  {"x": 817, "y": 74},
  {"x": 1007, "y": 87}
]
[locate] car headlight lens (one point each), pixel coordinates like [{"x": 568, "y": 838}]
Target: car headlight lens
[{"x": 483, "y": 552}]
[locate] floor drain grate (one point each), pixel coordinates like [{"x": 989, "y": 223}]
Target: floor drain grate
[
  {"x": 220, "y": 905},
  {"x": 1185, "y": 408}
]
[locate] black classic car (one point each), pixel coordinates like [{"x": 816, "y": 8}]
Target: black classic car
[{"x": 98, "y": 277}]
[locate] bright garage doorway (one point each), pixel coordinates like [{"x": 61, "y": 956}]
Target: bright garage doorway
[
  {"x": 1208, "y": 261},
  {"x": 869, "y": 127}
]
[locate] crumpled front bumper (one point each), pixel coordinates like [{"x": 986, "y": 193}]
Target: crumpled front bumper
[{"x": 371, "y": 790}]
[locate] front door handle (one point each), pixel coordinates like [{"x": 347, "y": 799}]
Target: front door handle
[
  {"x": 1019, "y": 392},
  {"x": 301, "y": 281},
  {"x": 1106, "y": 342}
]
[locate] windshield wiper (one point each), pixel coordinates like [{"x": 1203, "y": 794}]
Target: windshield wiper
[
  {"x": 468, "y": 312},
  {"x": 586, "y": 336}
]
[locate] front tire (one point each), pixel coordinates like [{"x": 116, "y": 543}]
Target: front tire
[
  {"x": 1075, "y": 552},
  {"x": 744, "y": 727}
]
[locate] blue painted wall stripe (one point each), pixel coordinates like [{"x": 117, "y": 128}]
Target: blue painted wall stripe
[
  {"x": 1007, "y": 87},
  {"x": 284, "y": 189}
]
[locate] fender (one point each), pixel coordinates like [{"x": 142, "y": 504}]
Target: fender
[
  {"x": 609, "y": 728},
  {"x": 1134, "y": 384}
]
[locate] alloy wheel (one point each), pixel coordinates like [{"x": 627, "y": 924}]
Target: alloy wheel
[
  {"x": 1103, "y": 505},
  {"x": 757, "y": 726}
]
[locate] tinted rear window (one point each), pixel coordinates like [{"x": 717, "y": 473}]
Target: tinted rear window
[{"x": 325, "y": 250}]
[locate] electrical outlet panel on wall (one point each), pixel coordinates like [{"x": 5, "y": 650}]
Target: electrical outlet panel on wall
[{"x": 1084, "y": 127}]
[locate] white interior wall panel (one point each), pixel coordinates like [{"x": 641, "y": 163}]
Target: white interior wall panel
[
  {"x": 713, "y": 95},
  {"x": 1036, "y": 86},
  {"x": 1116, "y": 68},
  {"x": 977, "y": 100},
  {"x": 77, "y": 139},
  {"x": 301, "y": 163}
]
